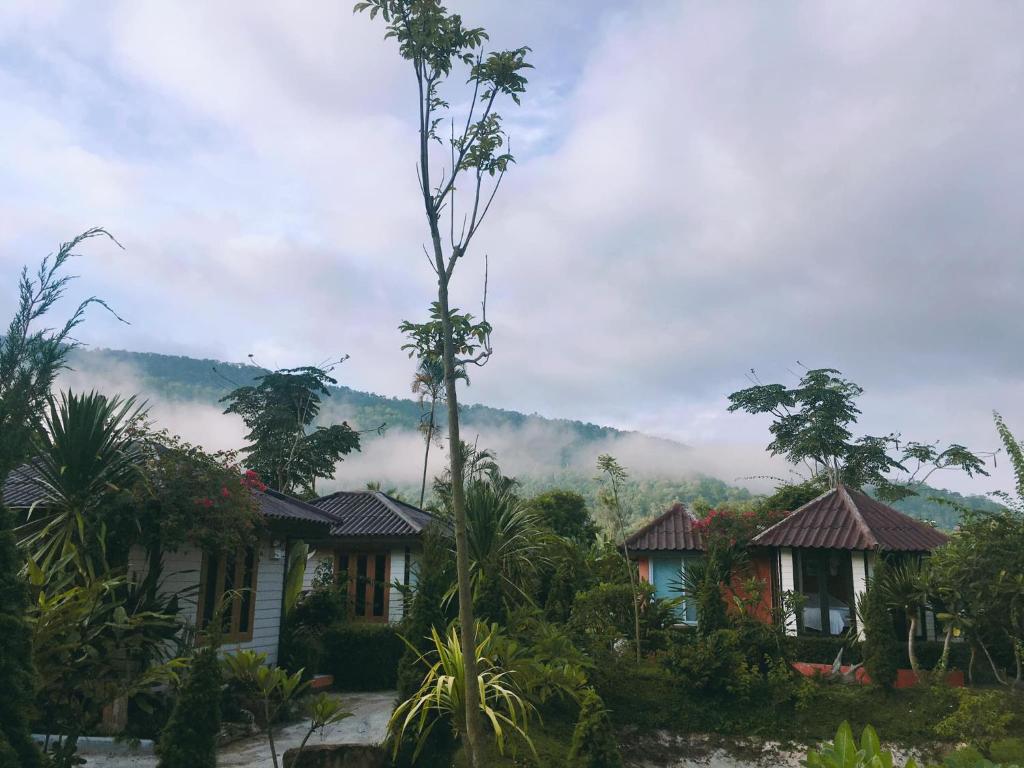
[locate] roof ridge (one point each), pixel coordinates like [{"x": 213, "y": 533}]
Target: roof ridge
[
  {"x": 855, "y": 510},
  {"x": 663, "y": 516},
  {"x": 392, "y": 504},
  {"x": 793, "y": 514}
]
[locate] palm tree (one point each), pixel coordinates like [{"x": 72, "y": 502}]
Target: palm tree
[
  {"x": 506, "y": 543},
  {"x": 905, "y": 588},
  {"x": 89, "y": 450}
]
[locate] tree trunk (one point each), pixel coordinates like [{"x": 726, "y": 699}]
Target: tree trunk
[
  {"x": 426, "y": 452},
  {"x": 995, "y": 670},
  {"x": 636, "y": 593},
  {"x": 944, "y": 661},
  {"x": 467, "y": 625},
  {"x": 911, "y": 651}
]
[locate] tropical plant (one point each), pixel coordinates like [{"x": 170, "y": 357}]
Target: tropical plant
[
  {"x": 88, "y": 452},
  {"x": 566, "y": 514},
  {"x": 95, "y": 642},
  {"x": 279, "y": 411},
  {"x": 979, "y": 576},
  {"x": 322, "y": 710},
  {"x": 189, "y": 740},
  {"x": 843, "y": 752},
  {"x": 979, "y": 719},
  {"x": 506, "y": 546},
  {"x": 881, "y": 648},
  {"x": 274, "y": 687},
  {"x": 298, "y": 561},
  {"x": 615, "y": 476},
  {"x": 435, "y": 42},
  {"x": 442, "y": 694},
  {"x": 427, "y": 609},
  {"x": 16, "y": 671},
  {"x": 904, "y": 587},
  {"x": 593, "y": 740},
  {"x": 428, "y": 386},
  {"x": 30, "y": 359},
  {"x": 187, "y": 495},
  {"x": 812, "y": 428}
]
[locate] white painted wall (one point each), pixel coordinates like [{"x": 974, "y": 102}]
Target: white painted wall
[
  {"x": 787, "y": 582},
  {"x": 181, "y": 570},
  {"x": 859, "y": 562}
]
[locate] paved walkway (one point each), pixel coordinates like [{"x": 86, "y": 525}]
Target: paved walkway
[{"x": 368, "y": 725}]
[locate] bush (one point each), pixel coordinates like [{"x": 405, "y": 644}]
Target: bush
[
  {"x": 881, "y": 648},
  {"x": 302, "y": 635},
  {"x": 190, "y": 738},
  {"x": 362, "y": 657},
  {"x": 980, "y": 718},
  {"x": 593, "y": 741},
  {"x": 16, "y": 674}
]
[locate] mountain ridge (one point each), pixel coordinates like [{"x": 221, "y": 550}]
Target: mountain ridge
[{"x": 542, "y": 452}]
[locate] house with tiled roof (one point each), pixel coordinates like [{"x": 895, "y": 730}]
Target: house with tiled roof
[
  {"x": 374, "y": 544},
  {"x": 824, "y": 551},
  {"x": 663, "y": 549},
  {"x": 371, "y": 539}
]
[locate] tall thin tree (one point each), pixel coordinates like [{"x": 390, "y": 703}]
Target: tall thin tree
[
  {"x": 616, "y": 475},
  {"x": 434, "y": 41}
]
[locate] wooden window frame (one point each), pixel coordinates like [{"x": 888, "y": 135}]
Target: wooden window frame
[
  {"x": 350, "y": 574},
  {"x": 232, "y": 632}
]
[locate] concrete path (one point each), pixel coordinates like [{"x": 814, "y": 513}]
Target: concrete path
[{"x": 368, "y": 725}]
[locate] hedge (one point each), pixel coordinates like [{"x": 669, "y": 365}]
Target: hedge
[
  {"x": 823, "y": 650},
  {"x": 362, "y": 657}
]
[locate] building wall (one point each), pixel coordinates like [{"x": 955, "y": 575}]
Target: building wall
[
  {"x": 181, "y": 571},
  {"x": 787, "y": 583},
  {"x": 396, "y": 559}
]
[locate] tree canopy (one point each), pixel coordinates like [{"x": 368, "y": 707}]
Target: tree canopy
[
  {"x": 285, "y": 449},
  {"x": 813, "y": 428}
]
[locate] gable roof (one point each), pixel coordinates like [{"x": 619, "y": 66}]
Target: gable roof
[
  {"x": 844, "y": 518},
  {"x": 20, "y": 492},
  {"x": 674, "y": 530},
  {"x": 371, "y": 513}
]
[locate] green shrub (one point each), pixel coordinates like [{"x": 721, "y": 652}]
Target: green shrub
[
  {"x": 302, "y": 635},
  {"x": 190, "y": 738},
  {"x": 593, "y": 741},
  {"x": 881, "y": 648},
  {"x": 1008, "y": 751},
  {"x": 16, "y": 674},
  {"x": 363, "y": 657},
  {"x": 980, "y": 718},
  {"x": 426, "y": 608}
]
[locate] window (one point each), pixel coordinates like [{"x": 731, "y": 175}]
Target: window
[
  {"x": 666, "y": 577},
  {"x": 228, "y": 582},
  {"x": 825, "y": 579},
  {"x": 368, "y": 575}
]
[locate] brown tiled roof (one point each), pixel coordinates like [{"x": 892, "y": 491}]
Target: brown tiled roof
[
  {"x": 674, "y": 530},
  {"x": 20, "y": 492},
  {"x": 844, "y": 518},
  {"x": 372, "y": 513}
]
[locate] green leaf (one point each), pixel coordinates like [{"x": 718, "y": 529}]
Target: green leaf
[{"x": 869, "y": 742}]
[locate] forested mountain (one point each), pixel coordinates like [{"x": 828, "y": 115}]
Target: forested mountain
[{"x": 541, "y": 452}]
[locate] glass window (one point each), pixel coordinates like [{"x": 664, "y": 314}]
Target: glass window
[
  {"x": 826, "y": 582},
  {"x": 227, "y": 583},
  {"x": 666, "y": 578}
]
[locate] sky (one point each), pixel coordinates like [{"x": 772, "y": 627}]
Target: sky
[{"x": 701, "y": 189}]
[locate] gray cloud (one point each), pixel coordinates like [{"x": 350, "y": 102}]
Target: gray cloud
[{"x": 702, "y": 188}]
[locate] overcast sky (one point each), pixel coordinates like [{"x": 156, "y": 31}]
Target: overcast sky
[{"x": 702, "y": 188}]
